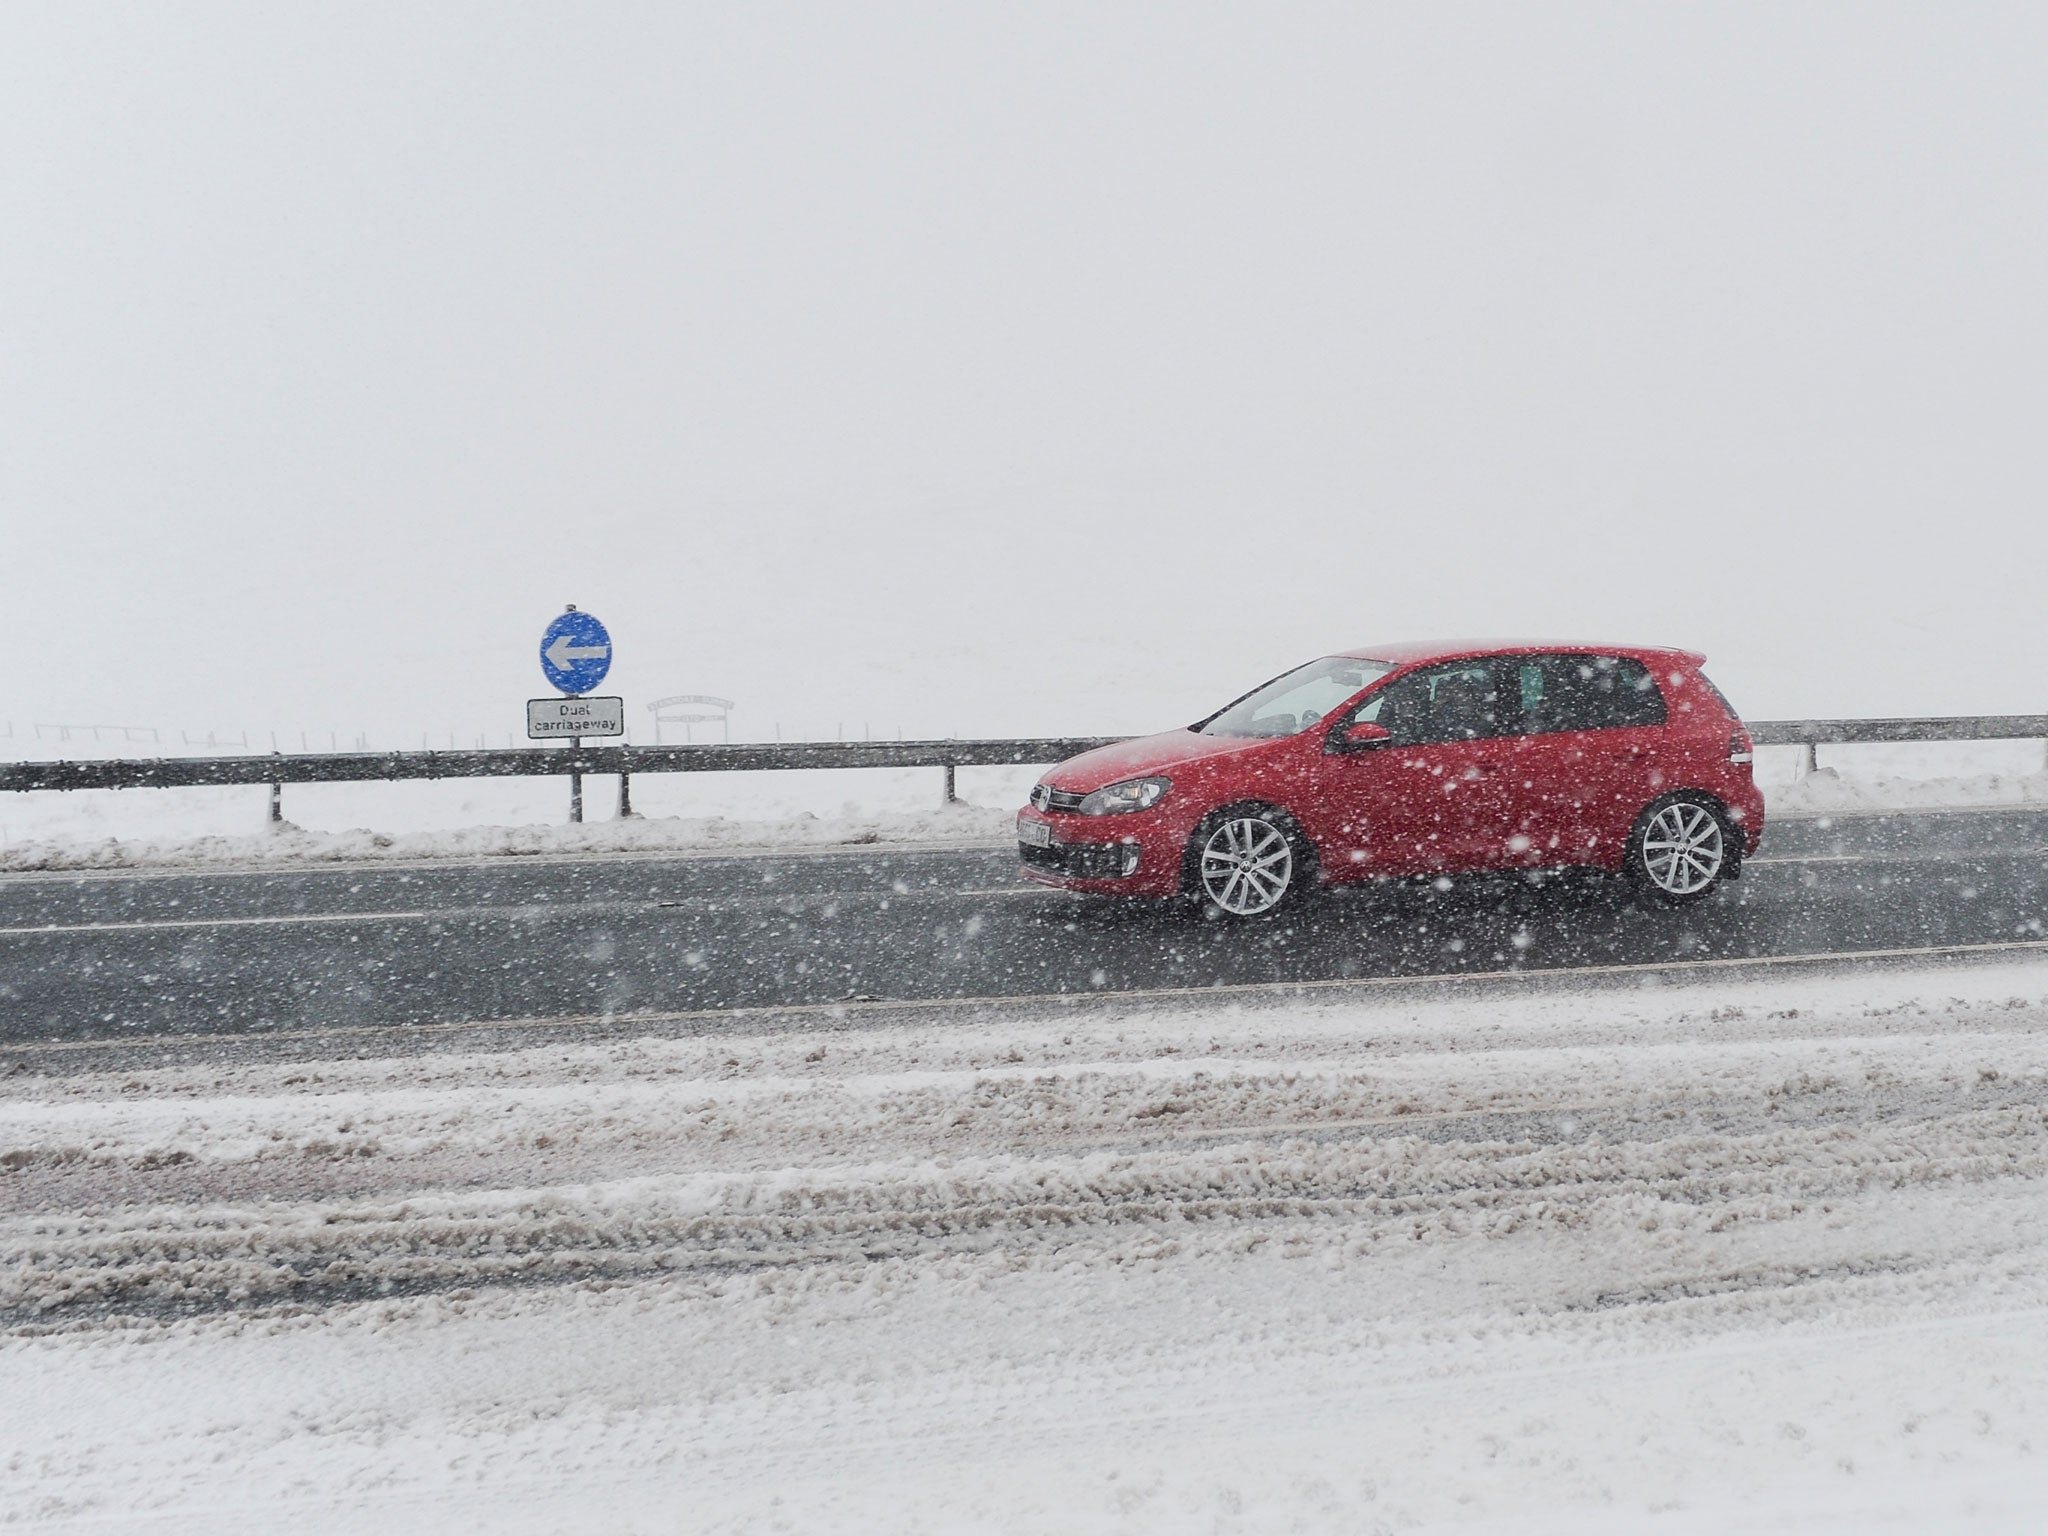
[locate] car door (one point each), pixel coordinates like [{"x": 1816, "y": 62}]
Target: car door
[
  {"x": 1431, "y": 796},
  {"x": 1587, "y": 759}
]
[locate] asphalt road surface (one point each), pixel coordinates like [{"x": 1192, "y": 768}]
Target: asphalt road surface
[{"x": 154, "y": 956}]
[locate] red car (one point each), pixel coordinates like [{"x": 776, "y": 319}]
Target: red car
[{"x": 1415, "y": 760}]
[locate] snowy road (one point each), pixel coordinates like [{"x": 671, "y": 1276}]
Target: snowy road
[
  {"x": 1716, "y": 1256},
  {"x": 127, "y": 956}
]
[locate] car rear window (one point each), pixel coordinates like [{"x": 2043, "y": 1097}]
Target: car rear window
[{"x": 1587, "y": 693}]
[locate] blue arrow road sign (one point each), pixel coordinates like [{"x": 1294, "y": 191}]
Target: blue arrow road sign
[{"x": 575, "y": 653}]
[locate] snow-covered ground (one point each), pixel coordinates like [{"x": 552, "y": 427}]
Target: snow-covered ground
[
  {"x": 1733, "y": 1257},
  {"x": 473, "y": 818}
]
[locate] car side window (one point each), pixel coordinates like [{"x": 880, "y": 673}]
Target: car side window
[
  {"x": 1460, "y": 702},
  {"x": 1587, "y": 693}
]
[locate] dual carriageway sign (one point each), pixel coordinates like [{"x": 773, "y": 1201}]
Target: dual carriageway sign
[{"x": 575, "y": 655}]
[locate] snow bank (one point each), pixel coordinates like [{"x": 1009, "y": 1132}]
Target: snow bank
[
  {"x": 289, "y": 844},
  {"x": 1727, "y": 1258},
  {"x": 1830, "y": 792}
]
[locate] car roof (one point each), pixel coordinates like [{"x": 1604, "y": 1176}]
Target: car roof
[{"x": 1408, "y": 652}]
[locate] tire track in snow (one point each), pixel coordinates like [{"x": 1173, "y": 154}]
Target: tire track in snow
[
  {"x": 204, "y": 1188},
  {"x": 1409, "y": 1188}
]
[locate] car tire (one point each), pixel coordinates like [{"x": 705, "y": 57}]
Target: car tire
[
  {"x": 1681, "y": 849},
  {"x": 1247, "y": 862}
]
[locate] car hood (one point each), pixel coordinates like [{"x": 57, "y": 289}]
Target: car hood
[{"x": 1141, "y": 756}]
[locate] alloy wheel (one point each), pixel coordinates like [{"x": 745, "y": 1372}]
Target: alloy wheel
[
  {"x": 1683, "y": 849},
  {"x": 1247, "y": 866}
]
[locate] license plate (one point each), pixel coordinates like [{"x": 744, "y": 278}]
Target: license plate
[{"x": 1034, "y": 834}]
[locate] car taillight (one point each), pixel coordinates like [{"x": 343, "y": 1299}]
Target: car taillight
[{"x": 1740, "y": 748}]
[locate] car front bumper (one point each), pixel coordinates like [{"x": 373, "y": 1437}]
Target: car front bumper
[{"x": 1081, "y": 853}]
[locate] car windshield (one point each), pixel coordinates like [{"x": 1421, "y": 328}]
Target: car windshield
[{"x": 1295, "y": 700}]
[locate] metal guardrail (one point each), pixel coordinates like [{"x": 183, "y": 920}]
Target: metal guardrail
[
  {"x": 281, "y": 768},
  {"x": 532, "y": 762},
  {"x": 1821, "y": 733},
  {"x": 278, "y": 769},
  {"x": 1807, "y": 733}
]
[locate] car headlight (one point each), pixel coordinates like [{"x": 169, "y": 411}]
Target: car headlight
[{"x": 1131, "y": 795}]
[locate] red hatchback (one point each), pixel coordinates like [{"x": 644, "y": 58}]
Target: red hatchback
[{"x": 1415, "y": 760}]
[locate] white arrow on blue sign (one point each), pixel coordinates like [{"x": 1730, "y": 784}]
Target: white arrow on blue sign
[{"x": 575, "y": 652}]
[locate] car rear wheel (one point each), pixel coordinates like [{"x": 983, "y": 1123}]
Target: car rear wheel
[
  {"x": 1246, "y": 862},
  {"x": 1680, "y": 848}
]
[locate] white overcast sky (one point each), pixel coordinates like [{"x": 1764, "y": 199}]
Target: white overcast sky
[{"x": 989, "y": 368}]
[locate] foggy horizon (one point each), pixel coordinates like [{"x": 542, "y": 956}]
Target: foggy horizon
[{"x": 986, "y": 373}]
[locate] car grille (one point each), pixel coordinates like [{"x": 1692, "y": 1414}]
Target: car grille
[
  {"x": 1045, "y": 798},
  {"x": 1077, "y": 861}
]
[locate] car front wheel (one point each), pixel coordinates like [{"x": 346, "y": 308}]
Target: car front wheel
[
  {"x": 1246, "y": 863},
  {"x": 1680, "y": 849}
]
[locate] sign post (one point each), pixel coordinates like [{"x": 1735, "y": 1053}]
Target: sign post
[{"x": 575, "y": 655}]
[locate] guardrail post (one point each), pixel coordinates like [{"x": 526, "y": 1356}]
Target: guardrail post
[
  {"x": 949, "y": 798},
  {"x": 1812, "y": 762},
  {"x": 625, "y": 797},
  {"x": 276, "y": 803}
]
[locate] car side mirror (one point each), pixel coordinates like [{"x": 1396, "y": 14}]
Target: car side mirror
[{"x": 1364, "y": 736}]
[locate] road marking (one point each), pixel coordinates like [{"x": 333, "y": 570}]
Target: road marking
[
  {"x": 809, "y": 898},
  {"x": 376, "y": 868},
  {"x": 850, "y": 1007},
  {"x": 522, "y": 909},
  {"x": 243, "y": 922},
  {"x": 1896, "y": 856},
  {"x": 884, "y": 848},
  {"x": 1856, "y": 858},
  {"x": 812, "y": 898},
  {"x": 361, "y": 867}
]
